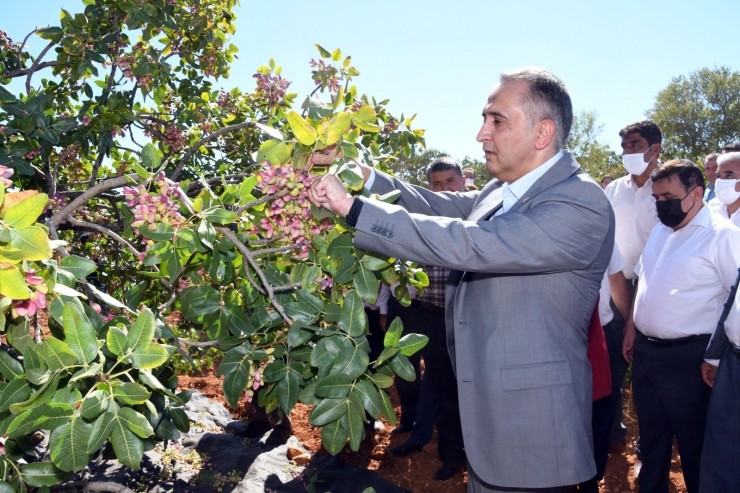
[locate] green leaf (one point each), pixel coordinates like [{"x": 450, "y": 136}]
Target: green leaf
[
  {"x": 374, "y": 263},
  {"x": 129, "y": 449},
  {"x": 101, "y": 431},
  {"x": 334, "y": 437},
  {"x": 69, "y": 445},
  {"x": 352, "y": 318},
  {"x": 366, "y": 284},
  {"x": 272, "y": 132},
  {"x": 92, "y": 370},
  {"x": 381, "y": 381},
  {"x": 95, "y": 404},
  {"x": 411, "y": 343},
  {"x": 402, "y": 367},
  {"x": 17, "y": 390},
  {"x": 161, "y": 232},
  {"x": 368, "y": 394},
  {"x": 142, "y": 332},
  {"x": 336, "y": 128},
  {"x": 335, "y": 386},
  {"x": 52, "y": 33},
  {"x": 328, "y": 411},
  {"x": 351, "y": 361},
  {"x": 116, "y": 341},
  {"x": 219, "y": 216},
  {"x": 303, "y": 131},
  {"x": 353, "y": 421},
  {"x": 45, "y": 417},
  {"x": 6, "y": 487},
  {"x": 323, "y": 52},
  {"x": 198, "y": 301},
  {"x": 274, "y": 151},
  {"x": 387, "y": 408},
  {"x": 289, "y": 388},
  {"x": 26, "y": 212},
  {"x": 136, "y": 422},
  {"x": 393, "y": 334},
  {"x": 78, "y": 266},
  {"x": 19, "y": 336},
  {"x": 41, "y": 474},
  {"x": 235, "y": 365},
  {"x": 150, "y": 157},
  {"x": 57, "y": 354},
  {"x": 32, "y": 241},
  {"x": 10, "y": 368},
  {"x": 179, "y": 418},
  {"x": 149, "y": 356},
  {"x": 13, "y": 284},
  {"x": 131, "y": 393},
  {"x": 79, "y": 333}
]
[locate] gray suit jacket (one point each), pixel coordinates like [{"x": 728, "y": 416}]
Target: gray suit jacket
[{"x": 519, "y": 300}]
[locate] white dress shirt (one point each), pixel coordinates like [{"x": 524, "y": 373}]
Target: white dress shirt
[
  {"x": 635, "y": 215},
  {"x": 715, "y": 205},
  {"x": 616, "y": 263},
  {"x": 685, "y": 276}
]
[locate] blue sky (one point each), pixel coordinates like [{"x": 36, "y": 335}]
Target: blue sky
[{"x": 440, "y": 59}]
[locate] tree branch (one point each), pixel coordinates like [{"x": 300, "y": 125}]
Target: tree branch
[
  {"x": 35, "y": 66},
  {"x": 105, "y": 231},
  {"x": 207, "y": 138}
]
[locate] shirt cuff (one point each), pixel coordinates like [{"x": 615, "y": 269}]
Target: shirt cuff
[
  {"x": 371, "y": 179},
  {"x": 354, "y": 212}
]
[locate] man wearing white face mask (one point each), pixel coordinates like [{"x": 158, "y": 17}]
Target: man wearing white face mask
[
  {"x": 635, "y": 215},
  {"x": 727, "y": 187}
]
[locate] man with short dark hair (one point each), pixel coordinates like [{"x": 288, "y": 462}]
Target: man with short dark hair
[
  {"x": 731, "y": 147},
  {"x": 710, "y": 168},
  {"x": 634, "y": 215},
  {"x": 527, "y": 255},
  {"x": 686, "y": 271}
]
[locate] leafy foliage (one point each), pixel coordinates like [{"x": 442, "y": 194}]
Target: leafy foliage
[
  {"x": 593, "y": 156},
  {"x": 699, "y": 113},
  {"x": 140, "y": 196}
]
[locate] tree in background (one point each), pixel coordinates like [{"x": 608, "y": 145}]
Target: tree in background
[
  {"x": 593, "y": 156},
  {"x": 698, "y": 113}
]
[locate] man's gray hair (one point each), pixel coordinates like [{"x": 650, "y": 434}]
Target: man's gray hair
[
  {"x": 728, "y": 156},
  {"x": 548, "y": 98}
]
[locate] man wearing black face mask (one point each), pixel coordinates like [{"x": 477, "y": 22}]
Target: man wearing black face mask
[{"x": 686, "y": 270}]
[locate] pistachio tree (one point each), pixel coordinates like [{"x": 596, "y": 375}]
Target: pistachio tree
[{"x": 135, "y": 189}]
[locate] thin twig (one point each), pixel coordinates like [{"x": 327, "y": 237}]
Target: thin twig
[
  {"x": 105, "y": 231},
  {"x": 207, "y": 138}
]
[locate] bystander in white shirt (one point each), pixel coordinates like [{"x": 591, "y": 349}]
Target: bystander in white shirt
[
  {"x": 685, "y": 277},
  {"x": 616, "y": 263},
  {"x": 635, "y": 215}
]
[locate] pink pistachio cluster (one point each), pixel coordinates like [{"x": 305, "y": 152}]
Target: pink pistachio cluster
[
  {"x": 5, "y": 176},
  {"x": 255, "y": 380},
  {"x": 288, "y": 216},
  {"x": 37, "y": 299},
  {"x": 325, "y": 75},
  {"x": 5, "y": 42},
  {"x": 272, "y": 87},
  {"x": 150, "y": 210}
]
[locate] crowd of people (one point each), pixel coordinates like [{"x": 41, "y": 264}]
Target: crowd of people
[{"x": 545, "y": 287}]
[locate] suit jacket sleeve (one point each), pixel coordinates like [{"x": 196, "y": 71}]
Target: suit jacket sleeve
[
  {"x": 423, "y": 201},
  {"x": 560, "y": 229}
]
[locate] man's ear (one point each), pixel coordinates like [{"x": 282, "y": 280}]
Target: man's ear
[{"x": 546, "y": 130}]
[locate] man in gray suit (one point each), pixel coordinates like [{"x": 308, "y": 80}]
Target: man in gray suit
[{"x": 527, "y": 255}]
